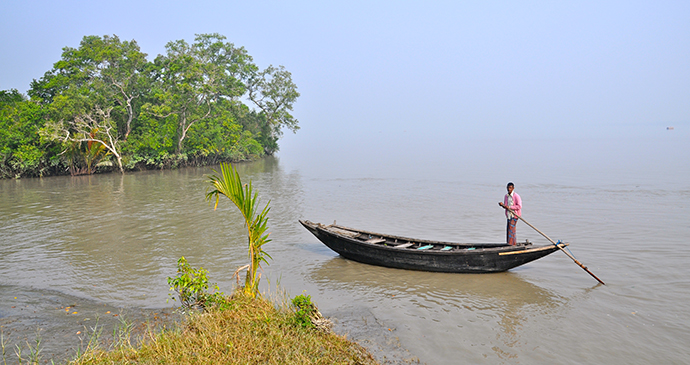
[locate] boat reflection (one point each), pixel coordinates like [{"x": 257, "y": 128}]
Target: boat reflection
[
  {"x": 500, "y": 303},
  {"x": 506, "y": 288}
]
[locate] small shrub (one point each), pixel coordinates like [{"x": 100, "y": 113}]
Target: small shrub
[
  {"x": 305, "y": 310},
  {"x": 191, "y": 286}
]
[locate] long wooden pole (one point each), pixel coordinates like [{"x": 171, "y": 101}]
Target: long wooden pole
[{"x": 555, "y": 244}]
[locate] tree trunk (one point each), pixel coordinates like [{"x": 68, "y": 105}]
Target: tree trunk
[{"x": 183, "y": 132}]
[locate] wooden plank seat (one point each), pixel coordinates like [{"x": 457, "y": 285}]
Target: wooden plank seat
[
  {"x": 375, "y": 240},
  {"x": 343, "y": 232}
]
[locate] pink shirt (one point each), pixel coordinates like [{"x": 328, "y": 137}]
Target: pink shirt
[{"x": 516, "y": 206}]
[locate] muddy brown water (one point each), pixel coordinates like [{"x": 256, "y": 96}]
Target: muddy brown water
[{"x": 107, "y": 243}]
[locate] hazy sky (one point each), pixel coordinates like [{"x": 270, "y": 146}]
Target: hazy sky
[{"x": 412, "y": 70}]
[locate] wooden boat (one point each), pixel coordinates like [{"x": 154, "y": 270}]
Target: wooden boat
[{"x": 417, "y": 254}]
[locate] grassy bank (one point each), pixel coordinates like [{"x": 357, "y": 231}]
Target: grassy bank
[{"x": 247, "y": 331}]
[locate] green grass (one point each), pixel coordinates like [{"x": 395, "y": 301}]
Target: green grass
[{"x": 248, "y": 331}]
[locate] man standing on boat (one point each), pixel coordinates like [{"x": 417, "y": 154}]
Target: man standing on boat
[{"x": 512, "y": 200}]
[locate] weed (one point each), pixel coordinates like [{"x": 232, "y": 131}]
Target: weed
[
  {"x": 191, "y": 285},
  {"x": 122, "y": 335},
  {"x": 307, "y": 315},
  {"x": 35, "y": 351},
  {"x": 3, "y": 344},
  {"x": 304, "y": 310},
  {"x": 34, "y": 356}
]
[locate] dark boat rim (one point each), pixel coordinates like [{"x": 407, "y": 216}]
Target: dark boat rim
[{"x": 479, "y": 248}]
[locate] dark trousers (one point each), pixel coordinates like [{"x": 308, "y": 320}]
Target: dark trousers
[{"x": 511, "y": 232}]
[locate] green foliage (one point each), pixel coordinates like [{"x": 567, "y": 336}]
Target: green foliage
[
  {"x": 151, "y": 144},
  {"x": 305, "y": 310},
  {"x": 273, "y": 92},
  {"x": 191, "y": 286},
  {"x": 230, "y": 185},
  {"x": 192, "y": 80},
  {"x": 22, "y": 152},
  {"x": 183, "y": 108},
  {"x": 222, "y": 138}
]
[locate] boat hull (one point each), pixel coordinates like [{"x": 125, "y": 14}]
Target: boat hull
[{"x": 484, "y": 258}]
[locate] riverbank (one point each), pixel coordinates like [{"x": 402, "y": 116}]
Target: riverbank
[
  {"x": 60, "y": 326},
  {"x": 247, "y": 331}
]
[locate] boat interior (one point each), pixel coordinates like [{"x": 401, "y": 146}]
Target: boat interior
[{"x": 409, "y": 243}]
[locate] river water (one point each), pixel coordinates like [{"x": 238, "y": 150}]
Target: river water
[{"x": 622, "y": 205}]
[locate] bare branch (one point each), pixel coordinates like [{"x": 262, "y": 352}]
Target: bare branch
[{"x": 95, "y": 126}]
